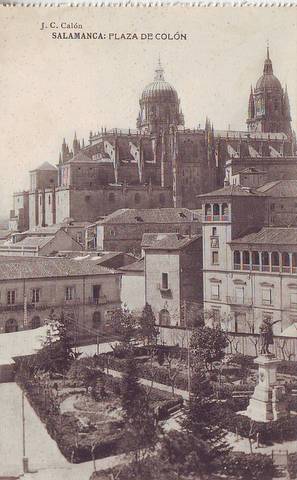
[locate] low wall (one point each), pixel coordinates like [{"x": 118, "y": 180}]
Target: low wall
[
  {"x": 7, "y": 370},
  {"x": 284, "y": 348}
]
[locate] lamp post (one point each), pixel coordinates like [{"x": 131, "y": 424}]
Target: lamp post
[{"x": 25, "y": 459}]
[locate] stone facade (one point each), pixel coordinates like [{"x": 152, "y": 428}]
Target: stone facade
[
  {"x": 124, "y": 229},
  {"x": 173, "y": 279},
  {"x": 162, "y": 163},
  {"x": 247, "y": 276},
  {"x": 26, "y": 302}
]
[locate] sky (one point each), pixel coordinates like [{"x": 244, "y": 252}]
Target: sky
[{"x": 51, "y": 88}]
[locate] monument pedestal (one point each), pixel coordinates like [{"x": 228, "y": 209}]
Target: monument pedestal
[{"x": 267, "y": 402}]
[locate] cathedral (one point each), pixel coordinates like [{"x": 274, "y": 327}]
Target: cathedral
[{"x": 161, "y": 163}]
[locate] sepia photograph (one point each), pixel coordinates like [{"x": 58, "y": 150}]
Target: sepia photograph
[{"x": 148, "y": 243}]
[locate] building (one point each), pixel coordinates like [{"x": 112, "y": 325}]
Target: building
[
  {"x": 123, "y": 230},
  {"x": 173, "y": 278},
  {"x": 160, "y": 163},
  {"x": 249, "y": 263},
  {"x": 46, "y": 241},
  {"x": 133, "y": 286},
  {"x": 31, "y": 287}
]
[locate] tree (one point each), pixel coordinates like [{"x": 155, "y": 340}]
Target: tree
[
  {"x": 56, "y": 355},
  {"x": 125, "y": 326},
  {"x": 207, "y": 345},
  {"x": 147, "y": 323},
  {"x": 204, "y": 417},
  {"x": 141, "y": 429}
]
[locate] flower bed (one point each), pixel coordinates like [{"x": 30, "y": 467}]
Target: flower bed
[{"x": 87, "y": 426}]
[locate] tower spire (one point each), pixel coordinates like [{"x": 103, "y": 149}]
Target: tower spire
[{"x": 268, "y": 70}]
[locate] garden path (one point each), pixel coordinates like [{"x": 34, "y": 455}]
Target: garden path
[
  {"x": 42, "y": 451},
  {"x": 160, "y": 386}
]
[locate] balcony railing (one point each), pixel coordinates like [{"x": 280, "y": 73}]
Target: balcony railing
[
  {"x": 239, "y": 301},
  {"x": 265, "y": 268},
  {"x": 97, "y": 300},
  {"x": 18, "y": 306},
  {"x": 217, "y": 218}
]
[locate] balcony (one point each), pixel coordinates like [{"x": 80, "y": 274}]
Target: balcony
[
  {"x": 164, "y": 290},
  {"x": 246, "y": 302},
  {"x": 217, "y": 218},
  {"x": 19, "y": 306},
  {"x": 97, "y": 301}
]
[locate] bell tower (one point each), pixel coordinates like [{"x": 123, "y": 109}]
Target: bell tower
[{"x": 269, "y": 108}]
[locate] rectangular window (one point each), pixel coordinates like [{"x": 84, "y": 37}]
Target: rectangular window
[
  {"x": 96, "y": 291},
  {"x": 272, "y": 206},
  {"x": 293, "y": 300},
  {"x": 214, "y": 231},
  {"x": 165, "y": 281},
  {"x": 239, "y": 295},
  {"x": 215, "y": 291},
  {"x": 36, "y": 295},
  {"x": 266, "y": 296},
  {"x": 215, "y": 258},
  {"x": 69, "y": 293},
  {"x": 11, "y": 297}
]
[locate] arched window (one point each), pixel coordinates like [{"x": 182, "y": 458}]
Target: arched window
[
  {"x": 245, "y": 260},
  {"x": 164, "y": 317},
  {"x": 225, "y": 211},
  {"x": 286, "y": 262},
  {"x": 236, "y": 260},
  {"x": 137, "y": 198},
  {"x": 294, "y": 262},
  {"x": 208, "y": 211},
  {"x": 255, "y": 261},
  {"x": 11, "y": 325},
  {"x": 96, "y": 319},
  {"x": 275, "y": 262},
  {"x": 35, "y": 322},
  {"x": 265, "y": 261},
  {"x": 216, "y": 212}
]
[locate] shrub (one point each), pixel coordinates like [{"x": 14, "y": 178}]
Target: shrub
[
  {"x": 277, "y": 431},
  {"x": 249, "y": 467}
]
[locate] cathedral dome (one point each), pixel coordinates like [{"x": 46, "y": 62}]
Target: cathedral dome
[
  {"x": 159, "y": 89},
  {"x": 268, "y": 80}
]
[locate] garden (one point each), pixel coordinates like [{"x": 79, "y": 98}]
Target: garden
[{"x": 92, "y": 413}]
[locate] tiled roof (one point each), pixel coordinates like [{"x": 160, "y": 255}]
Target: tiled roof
[
  {"x": 172, "y": 241},
  {"x": 81, "y": 157},
  {"x": 33, "y": 241},
  {"x": 46, "y": 166},
  {"x": 280, "y": 188},
  {"x": 134, "y": 267},
  {"x": 49, "y": 268},
  {"x": 50, "y": 230},
  {"x": 234, "y": 191},
  {"x": 154, "y": 215},
  {"x": 270, "y": 235}
]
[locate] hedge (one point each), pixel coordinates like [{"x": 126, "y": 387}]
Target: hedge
[
  {"x": 249, "y": 466},
  {"x": 277, "y": 431},
  {"x": 63, "y": 428}
]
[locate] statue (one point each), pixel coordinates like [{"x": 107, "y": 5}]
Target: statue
[{"x": 266, "y": 335}]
